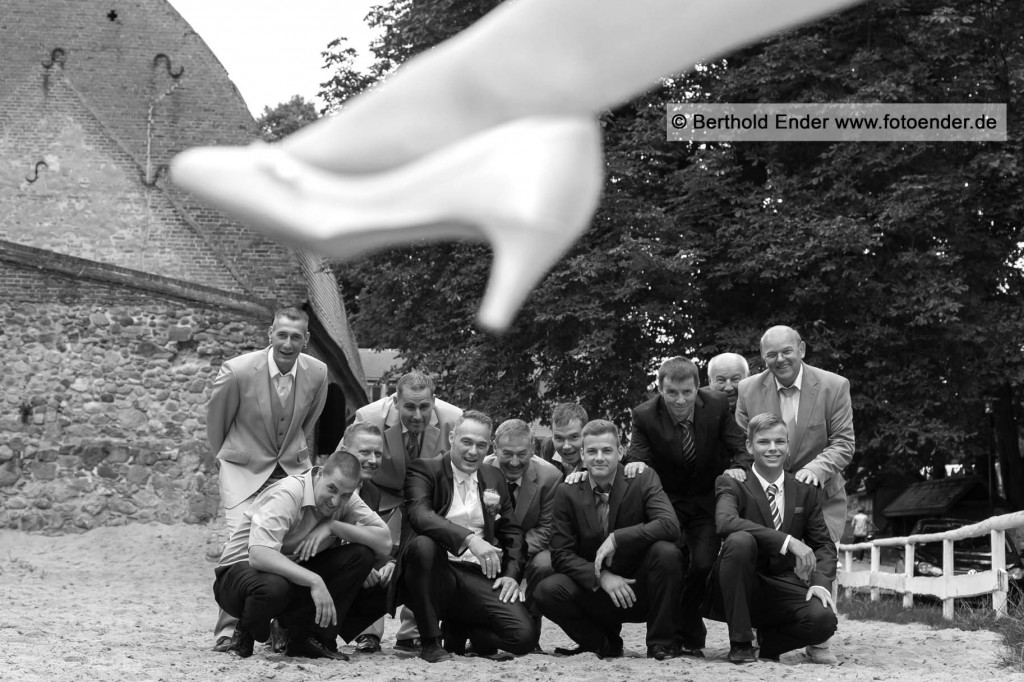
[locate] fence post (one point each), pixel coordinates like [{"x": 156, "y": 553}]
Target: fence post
[
  {"x": 999, "y": 568},
  {"x": 908, "y": 572},
  {"x": 947, "y": 577},
  {"x": 876, "y": 563}
]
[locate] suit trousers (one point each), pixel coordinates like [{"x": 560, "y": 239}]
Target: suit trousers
[
  {"x": 702, "y": 543},
  {"x": 437, "y": 589},
  {"x": 775, "y": 605},
  {"x": 537, "y": 569},
  {"x": 255, "y": 597},
  {"x": 590, "y": 617}
]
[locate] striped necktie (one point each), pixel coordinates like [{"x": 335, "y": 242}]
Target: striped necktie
[
  {"x": 776, "y": 516},
  {"x": 687, "y": 443},
  {"x": 412, "y": 445}
]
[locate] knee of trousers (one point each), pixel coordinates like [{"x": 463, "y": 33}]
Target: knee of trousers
[
  {"x": 421, "y": 550},
  {"x": 365, "y": 556},
  {"x": 275, "y": 592},
  {"x": 522, "y": 639},
  {"x": 550, "y": 592},
  {"x": 539, "y": 567},
  {"x": 666, "y": 554},
  {"x": 822, "y": 620},
  {"x": 740, "y": 544}
]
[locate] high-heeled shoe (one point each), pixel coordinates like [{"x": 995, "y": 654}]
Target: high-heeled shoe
[{"x": 529, "y": 188}]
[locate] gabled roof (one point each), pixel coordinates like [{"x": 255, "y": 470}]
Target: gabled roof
[{"x": 937, "y": 497}]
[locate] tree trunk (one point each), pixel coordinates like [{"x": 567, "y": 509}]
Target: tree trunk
[{"x": 1008, "y": 447}]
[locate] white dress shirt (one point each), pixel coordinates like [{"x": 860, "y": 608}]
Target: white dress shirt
[
  {"x": 780, "y": 498},
  {"x": 468, "y": 512}
]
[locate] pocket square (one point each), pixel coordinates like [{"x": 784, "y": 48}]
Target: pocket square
[{"x": 798, "y": 510}]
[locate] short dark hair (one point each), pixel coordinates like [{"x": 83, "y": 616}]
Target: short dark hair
[
  {"x": 345, "y": 462},
  {"x": 568, "y": 412},
  {"x": 414, "y": 381},
  {"x": 513, "y": 428},
  {"x": 678, "y": 369},
  {"x": 292, "y": 313},
  {"x": 599, "y": 427},
  {"x": 762, "y": 422},
  {"x": 356, "y": 428},
  {"x": 477, "y": 416}
]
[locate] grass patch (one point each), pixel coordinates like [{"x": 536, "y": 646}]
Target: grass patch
[{"x": 969, "y": 614}]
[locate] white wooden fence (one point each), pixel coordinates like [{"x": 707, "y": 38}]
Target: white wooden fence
[{"x": 946, "y": 587}]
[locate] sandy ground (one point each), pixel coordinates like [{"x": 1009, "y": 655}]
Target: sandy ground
[{"x": 135, "y": 603}]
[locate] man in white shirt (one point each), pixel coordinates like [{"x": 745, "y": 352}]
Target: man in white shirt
[{"x": 777, "y": 563}]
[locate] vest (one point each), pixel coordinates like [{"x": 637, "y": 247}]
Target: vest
[{"x": 281, "y": 416}]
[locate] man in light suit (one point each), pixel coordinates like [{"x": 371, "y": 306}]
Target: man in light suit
[
  {"x": 260, "y": 419},
  {"x": 778, "y": 560},
  {"x": 531, "y": 482},
  {"x": 464, "y": 563},
  {"x": 415, "y": 424},
  {"x": 614, "y": 547},
  {"x": 816, "y": 408},
  {"x": 690, "y": 437}
]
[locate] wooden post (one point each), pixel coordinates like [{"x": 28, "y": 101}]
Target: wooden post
[
  {"x": 908, "y": 571},
  {"x": 876, "y": 562},
  {"x": 999, "y": 567},
  {"x": 947, "y": 577}
]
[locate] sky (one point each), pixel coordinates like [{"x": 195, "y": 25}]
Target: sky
[{"x": 271, "y": 48}]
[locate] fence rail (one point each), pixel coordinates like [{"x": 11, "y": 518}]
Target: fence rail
[{"x": 946, "y": 587}]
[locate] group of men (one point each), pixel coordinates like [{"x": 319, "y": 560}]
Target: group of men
[{"x": 727, "y": 504}]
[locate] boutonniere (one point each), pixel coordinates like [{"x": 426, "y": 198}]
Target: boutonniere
[{"x": 492, "y": 501}]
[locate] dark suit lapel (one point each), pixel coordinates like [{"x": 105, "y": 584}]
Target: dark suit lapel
[
  {"x": 760, "y": 501},
  {"x": 789, "y": 486},
  {"x": 481, "y": 486},
  {"x": 667, "y": 426},
  {"x": 261, "y": 379},
  {"x": 615, "y": 498},
  {"x": 808, "y": 396},
  {"x": 701, "y": 435},
  {"x": 585, "y": 495},
  {"x": 445, "y": 486}
]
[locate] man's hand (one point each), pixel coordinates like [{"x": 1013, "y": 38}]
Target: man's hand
[
  {"x": 805, "y": 559},
  {"x": 325, "y": 614},
  {"x": 576, "y": 476},
  {"x": 618, "y": 588},
  {"x": 488, "y": 556},
  {"x": 809, "y": 477},
  {"x": 509, "y": 590},
  {"x": 386, "y": 571},
  {"x": 605, "y": 553},
  {"x": 372, "y": 579},
  {"x": 823, "y": 595},
  {"x": 737, "y": 473},
  {"x": 634, "y": 468},
  {"x": 308, "y": 548}
]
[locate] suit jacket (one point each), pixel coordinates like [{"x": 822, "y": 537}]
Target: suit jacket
[
  {"x": 384, "y": 415},
  {"x": 744, "y": 506},
  {"x": 535, "y": 502},
  {"x": 240, "y": 428},
  {"x": 718, "y": 444},
  {"x": 639, "y": 514},
  {"x": 824, "y": 440}
]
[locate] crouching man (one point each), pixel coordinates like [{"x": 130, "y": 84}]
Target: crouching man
[
  {"x": 613, "y": 544},
  {"x": 300, "y": 555},
  {"x": 777, "y": 563}
]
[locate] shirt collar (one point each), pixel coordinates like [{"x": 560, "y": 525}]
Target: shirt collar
[
  {"x": 275, "y": 372},
  {"x": 593, "y": 484},
  {"x": 308, "y": 494},
  {"x": 796, "y": 384},
  {"x": 461, "y": 476},
  {"x": 765, "y": 482}
]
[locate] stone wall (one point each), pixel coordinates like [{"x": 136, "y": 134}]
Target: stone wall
[{"x": 103, "y": 407}]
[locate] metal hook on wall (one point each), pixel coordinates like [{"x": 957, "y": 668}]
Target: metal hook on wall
[
  {"x": 39, "y": 164},
  {"x": 56, "y": 57},
  {"x": 167, "y": 62}
]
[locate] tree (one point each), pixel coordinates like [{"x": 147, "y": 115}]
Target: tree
[{"x": 285, "y": 118}]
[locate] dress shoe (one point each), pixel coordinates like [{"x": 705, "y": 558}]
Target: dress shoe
[
  {"x": 311, "y": 647},
  {"x": 660, "y": 652},
  {"x": 367, "y": 644},
  {"x": 223, "y": 644},
  {"x": 821, "y": 655},
  {"x": 435, "y": 653},
  {"x": 241, "y": 643},
  {"x": 528, "y": 187},
  {"x": 575, "y": 651},
  {"x": 741, "y": 652},
  {"x": 692, "y": 653},
  {"x": 612, "y": 648},
  {"x": 278, "y": 637},
  {"x": 411, "y": 645}
]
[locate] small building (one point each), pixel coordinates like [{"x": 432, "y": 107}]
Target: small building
[{"x": 962, "y": 497}]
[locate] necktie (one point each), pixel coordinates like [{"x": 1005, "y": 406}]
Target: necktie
[
  {"x": 463, "y": 490},
  {"x": 687, "y": 443},
  {"x": 776, "y": 516},
  {"x": 789, "y": 409},
  {"x": 412, "y": 445},
  {"x": 284, "y": 387},
  {"x": 601, "y": 500},
  {"x": 513, "y": 488}
]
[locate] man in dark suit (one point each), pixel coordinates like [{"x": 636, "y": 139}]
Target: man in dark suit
[
  {"x": 690, "y": 437},
  {"x": 619, "y": 535},
  {"x": 778, "y": 560},
  {"x": 531, "y": 483},
  {"x": 464, "y": 564},
  {"x": 562, "y": 448}
]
